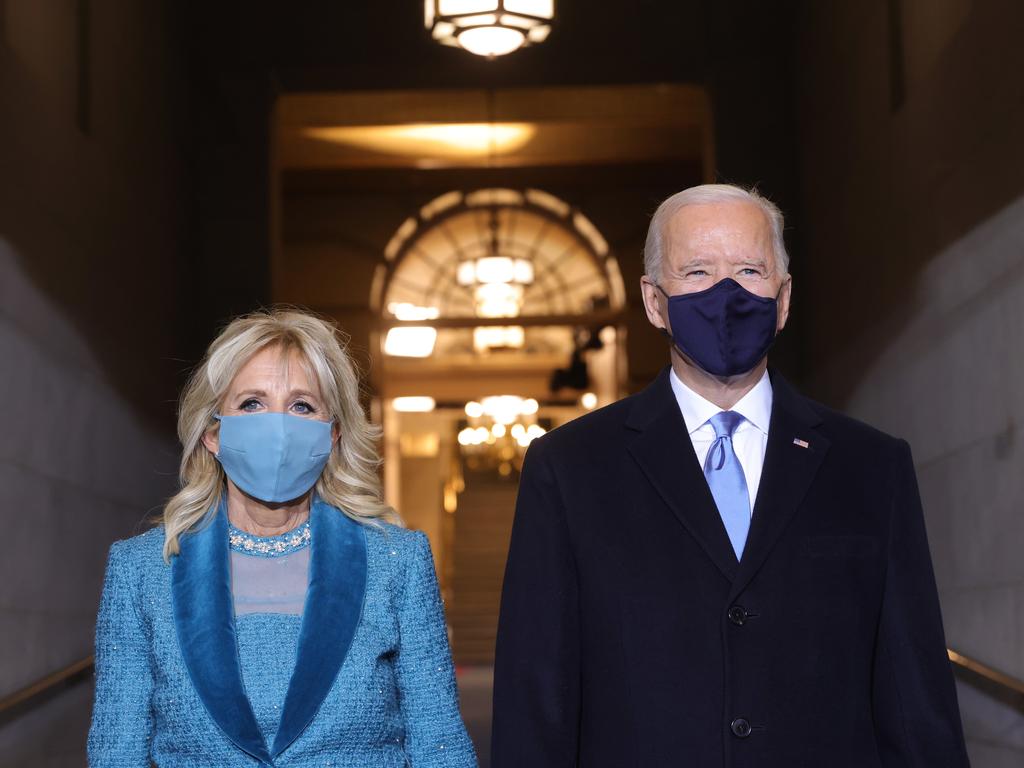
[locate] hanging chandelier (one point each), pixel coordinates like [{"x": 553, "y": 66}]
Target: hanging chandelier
[
  {"x": 497, "y": 280},
  {"x": 489, "y": 28}
]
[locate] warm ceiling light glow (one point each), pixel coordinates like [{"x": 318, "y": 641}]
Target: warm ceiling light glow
[
  {"x": 487, "y": 337},
  {"x": 495, "y": 269},
  {"x": 410, "y": 341},
  {"x": 474, "y": 409},
  {"x": 489, "y": 27},
  {"x": 522, "y": 271},
  {"x": 405, "y": 311},
  {"x": 498, "y": 299},
  {"x": 465, "y": 273},
  {"x": 504, "y": 409},
  {"x": 529, "y": 407},
  {"x": 430, "y": 140},
  {"x": 588, "y": 400},
  {"x": 413, "y": 404},
  {"x": 491, "y": 41}
]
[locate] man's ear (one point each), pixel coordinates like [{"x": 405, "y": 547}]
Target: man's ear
[
  {"x": 652, "y": 303},
  {"x": 785, "y": 293}
]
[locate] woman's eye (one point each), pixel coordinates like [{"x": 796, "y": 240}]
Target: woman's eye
[
  {"x": 301, "y": 406},
  {"x": 249, "y": 405}
]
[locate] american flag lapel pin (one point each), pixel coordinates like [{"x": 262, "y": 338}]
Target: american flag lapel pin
[{"x": 801, "y": 443}]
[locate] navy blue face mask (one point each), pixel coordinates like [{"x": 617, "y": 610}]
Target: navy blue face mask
[{"x": 726, "y": 329}]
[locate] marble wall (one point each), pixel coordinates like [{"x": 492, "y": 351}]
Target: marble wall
[
  {"x": 951, "y": 381},
  {"x": 91, "y": 330}
]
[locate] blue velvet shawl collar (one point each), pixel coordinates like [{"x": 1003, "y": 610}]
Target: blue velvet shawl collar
[{"x": 205, "y": 625}]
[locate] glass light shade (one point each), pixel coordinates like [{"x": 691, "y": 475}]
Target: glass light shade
[
  {"x": 413, "y": 404},
  {"x": 544, "y": 9},
  {"x": 522, "y": 271},
  {"x": 489, "y": 27},
  {"x": 498, "y": 299},
  {"x": 495, "y": 269},
  {"x": 459, "y": 7},
  {"x": 479, "y": 20},
  {"x": 491, "y": 41},
  {"x": 444, "y": 31},
  {"x": 474, "y": 409},
  {"x": 498, "y": 337},
  {"x": 405, "y": 311},
  {"x": 410, "y": 341},
  {"x": 465, "y": 273},
  {"x": 504, "y": 409},
  {"x": 539, "y": 33}
]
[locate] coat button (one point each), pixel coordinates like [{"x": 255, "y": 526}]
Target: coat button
[
  {"x": 740, "y": 727},
  {"x": 737, "y": 615}
]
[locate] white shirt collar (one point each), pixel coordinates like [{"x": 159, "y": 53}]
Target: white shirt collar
[{"x": 755, "y": 406}]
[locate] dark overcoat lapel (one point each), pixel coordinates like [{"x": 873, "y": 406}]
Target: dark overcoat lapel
[
  {"x": 664, "y": 451},
  {"x": 204, "y": 622},
  {"x": 794, "y": 453}
]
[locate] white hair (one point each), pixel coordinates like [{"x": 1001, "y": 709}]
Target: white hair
[{"x": 706, "y": 194}]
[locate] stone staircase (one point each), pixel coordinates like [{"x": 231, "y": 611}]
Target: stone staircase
[{"x": 483, "y": 524}]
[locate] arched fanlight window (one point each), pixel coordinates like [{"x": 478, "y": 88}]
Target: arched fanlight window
[{"x": 494, "y": 254}]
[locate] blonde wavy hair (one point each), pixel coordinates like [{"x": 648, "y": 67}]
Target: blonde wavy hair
[{"x": 350, "y": 481}]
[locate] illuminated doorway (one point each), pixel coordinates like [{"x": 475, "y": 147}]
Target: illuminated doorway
[{"x": 500, "y": 316}]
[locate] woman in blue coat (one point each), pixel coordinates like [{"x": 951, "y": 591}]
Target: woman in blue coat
[{"x": 276, "y": 617}]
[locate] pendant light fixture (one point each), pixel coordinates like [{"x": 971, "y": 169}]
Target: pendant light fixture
[{"x": 489, "y": 28}]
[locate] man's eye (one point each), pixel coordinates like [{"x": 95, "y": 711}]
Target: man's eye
[
  {"x": 750, "y": 272},
  {"x": 696, "y": 273},
  {"x": 249, "y": 405}
]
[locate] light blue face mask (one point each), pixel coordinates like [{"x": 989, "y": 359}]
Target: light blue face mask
[{"x": 273, "y": 456}]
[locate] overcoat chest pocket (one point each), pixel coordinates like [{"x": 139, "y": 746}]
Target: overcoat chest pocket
[{"x": 841, "y": 546}]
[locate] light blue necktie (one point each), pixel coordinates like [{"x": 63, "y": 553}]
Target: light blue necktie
[{"x": 725, "y": 478}]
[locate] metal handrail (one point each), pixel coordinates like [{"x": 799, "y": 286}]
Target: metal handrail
[
  {"x": 44, "y": 685},
  {"x": 25, "y": 696},
  {"x": 1002, "y": 680}
]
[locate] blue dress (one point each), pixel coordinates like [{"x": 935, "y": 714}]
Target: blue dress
[{"x": 362, "y": 678}]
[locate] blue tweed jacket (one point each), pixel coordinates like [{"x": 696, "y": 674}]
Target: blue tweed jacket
[{"x": 363, "y": 679}]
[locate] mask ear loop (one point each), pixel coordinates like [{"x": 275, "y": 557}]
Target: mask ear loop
[{"x": 217, "y": 417}]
